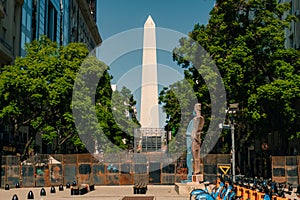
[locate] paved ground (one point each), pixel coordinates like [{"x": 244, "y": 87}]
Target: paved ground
[{"x": 160, "y": 192}]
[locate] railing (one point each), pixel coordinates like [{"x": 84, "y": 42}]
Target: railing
[
  {"x": 286, "y": 169},
  {"x": 108, "y": 169}
]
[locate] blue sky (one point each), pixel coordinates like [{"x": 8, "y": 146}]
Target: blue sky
[{"x": 116, "y": 16}]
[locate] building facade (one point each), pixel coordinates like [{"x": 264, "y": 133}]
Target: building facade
[
  {"x": 82, "y": 23},
  {"x": 22, "y": 21},
  {"x": 292, "y": 34},
  {"x": 63, "y": 21},
  {"x": 10, "y": 18}
]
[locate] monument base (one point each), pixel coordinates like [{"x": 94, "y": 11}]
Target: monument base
[
  {"x": 186, "y": 188},
  {"x": 197, "y": 178}
]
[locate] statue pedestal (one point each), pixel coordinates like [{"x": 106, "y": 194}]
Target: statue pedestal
[
  {"x": 197, "y": 178},
  {"x": 186, "y": 188}
]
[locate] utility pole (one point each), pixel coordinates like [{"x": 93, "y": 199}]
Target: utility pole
[
  {"x": 231, "y": 111},
  {"x": 233, "y": 149}
]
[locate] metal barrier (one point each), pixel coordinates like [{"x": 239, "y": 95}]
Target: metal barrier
[
  {"x": 286, "y": 169},
  {"x": 211, "y": 165},
  {"x": 109, "y": 169}
]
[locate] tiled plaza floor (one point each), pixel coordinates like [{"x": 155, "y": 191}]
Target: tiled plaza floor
[{"x": 160, "y": 192}]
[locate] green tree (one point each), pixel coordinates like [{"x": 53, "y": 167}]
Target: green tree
[
  {"x": 246, "y": 41},
  {"x": 124, "y": 113},
  {"x": 37, "y": 92},
  {"x": 106, "y": 122}
]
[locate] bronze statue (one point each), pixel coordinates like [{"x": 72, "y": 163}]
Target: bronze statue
[{"x": 198, "y": 123}]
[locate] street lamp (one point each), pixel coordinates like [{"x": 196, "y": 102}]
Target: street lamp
[{"x": 231, "y": 111}]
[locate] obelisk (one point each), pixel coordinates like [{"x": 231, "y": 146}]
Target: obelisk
[{"x": 149, "y": 114}]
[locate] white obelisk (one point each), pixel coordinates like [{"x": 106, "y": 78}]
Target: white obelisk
[{"x": 149, "y": 114}]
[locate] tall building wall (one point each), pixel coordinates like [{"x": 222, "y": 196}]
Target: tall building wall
[
  {"x": 10, "y": 17},
  {"x": 22, "y": 21},
  {"x": 63, "y": 21},
  {"x": 83, "y": 26},
  {"x": 26, "y": 25},
  {"x": 292, "y": 34},
  {"x": 40, "y": 18}
]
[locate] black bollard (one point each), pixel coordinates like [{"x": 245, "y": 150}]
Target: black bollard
[
  {"x": 74, "y": 191},
  {"x": 17, "y": 185},
  {"x": 43, "y": 192},
  {"x": 15, "y": 197},
  {"x": 61, "y": 187},
  {"x": 68, "y": 185},
  {"x": 74, "y": 183},
  {"x": 30, "y": 195},
  {"x": 52, "y": 189},
  {"x": 6, "y": 187}
]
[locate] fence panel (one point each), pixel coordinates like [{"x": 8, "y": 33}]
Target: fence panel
[
  {"x": 211, "y": 164},
  {"x": 42, "y": 176},
  {"x": 292, "y": 170},
  {"x": 126, "y": 177},
  {"x": 84, "y": 173},
  {"x": 69, "y": 173},
  {"x": 98, "y": 172},
  {"x": 286, "y": 169},
  {"x": 109, "y": 169},
  {"x": 13, "y": 175},
  {"x": 154, "y": 172},
  {"x": 28, "y": 176},
  {"x": 10, "y": 171}
]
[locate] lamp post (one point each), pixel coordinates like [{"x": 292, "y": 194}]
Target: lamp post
[
  {"x": 232, "y": 149},
  {"x": 231, "y": 111}
]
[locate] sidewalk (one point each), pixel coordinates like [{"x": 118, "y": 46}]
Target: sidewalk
[{"x": 160, "y": 192}]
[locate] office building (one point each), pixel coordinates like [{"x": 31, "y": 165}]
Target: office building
[
  {"x": 63, "y": 21},
  {"x": 10, "y": 17},
  {"x": 292, "y": 33}
]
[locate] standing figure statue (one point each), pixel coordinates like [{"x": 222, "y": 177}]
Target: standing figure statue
[
  {"x": 198, "y": 123},
  {"x": 189, "y": 156},
  {"x": 193, "y": 141}
]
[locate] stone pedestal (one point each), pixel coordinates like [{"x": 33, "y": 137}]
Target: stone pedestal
[
  {"x": 186, "y": 188},
  {"x": 197, "y": 178}
]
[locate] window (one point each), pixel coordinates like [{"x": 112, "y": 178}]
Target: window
[
  {"x": 24, "y": 14},
  {"x": 13, "y": 49},
  {"x": 52, "y": 22},
  {"x": 28, "y": 21}
]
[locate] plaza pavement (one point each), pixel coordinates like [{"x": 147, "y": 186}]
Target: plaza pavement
[{"x": 160, "y": 192}]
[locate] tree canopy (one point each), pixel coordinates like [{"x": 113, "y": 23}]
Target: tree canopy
[
  {"x": 246, "y": 41},
  {"x": 36, "y": 92}
]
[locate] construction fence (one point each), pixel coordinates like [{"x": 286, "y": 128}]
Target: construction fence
[
  {"x": 109, "y": 169},
  {"x": 286, "y": 169}
]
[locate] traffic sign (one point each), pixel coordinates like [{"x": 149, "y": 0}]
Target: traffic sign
[{"x": 224, "y": 168}]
